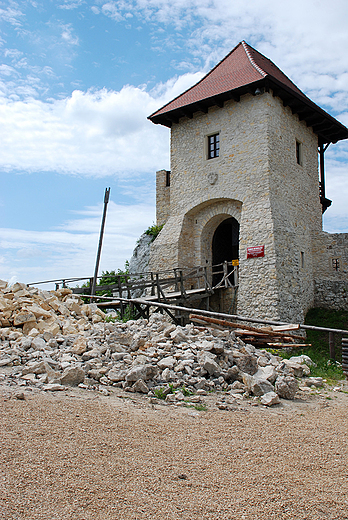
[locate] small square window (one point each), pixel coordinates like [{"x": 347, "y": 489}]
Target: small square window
[
  {"x": 213, "y": 146},
  {"x": 299, "y": 153}
]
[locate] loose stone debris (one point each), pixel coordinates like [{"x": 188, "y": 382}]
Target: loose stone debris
[{"x": 52, "y": 340}]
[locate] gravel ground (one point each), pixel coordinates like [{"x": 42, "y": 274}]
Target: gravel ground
[{"x": 79, "y": 455}]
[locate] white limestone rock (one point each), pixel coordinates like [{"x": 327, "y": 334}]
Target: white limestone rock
[
  {"x": 261, "y": 387},
  {"x": 72, "y": 376},
  {"x": 314, "y": 381},
  {"x": 53, "y": 387},
  {"x": 38, "y": 343},
  {"x": 140, "y": 386},
  {"x": 5, "y": 360},
  {"x": 139, "y": 262},
  {"x": 286, "y": 387},
  {"x": 268, "y": 373},
  {"x": 297, "y": 369},
  {"x": 270, "y": 399},
  {"x": 303, "y": 359},
  {"x": 116, "y": 376},
  {"x": 167, "y": 362},
  {"x": 144, "y": 372}
]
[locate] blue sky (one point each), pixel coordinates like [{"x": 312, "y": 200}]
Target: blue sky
[{"x": 77, "y": 82}]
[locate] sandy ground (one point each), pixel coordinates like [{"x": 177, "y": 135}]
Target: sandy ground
[{"x": 80, "y": 455}]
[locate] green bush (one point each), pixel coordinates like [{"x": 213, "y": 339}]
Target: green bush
[
  {"x": 153, "y": 231},
  {"x": 109, "y": 278}
]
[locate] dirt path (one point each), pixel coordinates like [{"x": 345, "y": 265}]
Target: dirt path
[{"x": 78, "y": 455}]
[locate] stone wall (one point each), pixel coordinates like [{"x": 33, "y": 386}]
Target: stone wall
[
  {"x": 162, "y": 197},
  {"x": 296, "y": 209},
  {"x": 331, "y": 271}
]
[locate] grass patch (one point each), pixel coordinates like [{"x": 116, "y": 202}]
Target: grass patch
[
  {"x": 160, "y": 393},
  {"x": 201, "y": 407},
  {"x": 185, "y": 391},
  {"x": 327, "y": 368}
]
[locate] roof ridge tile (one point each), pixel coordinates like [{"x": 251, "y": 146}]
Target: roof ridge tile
[{"x": 247, "y": 52}]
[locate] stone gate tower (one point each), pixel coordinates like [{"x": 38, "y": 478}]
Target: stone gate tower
[{"x": 244, "y": 179}]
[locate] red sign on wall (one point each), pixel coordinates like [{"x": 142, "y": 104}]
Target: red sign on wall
[{"x": 256, "y": 251}]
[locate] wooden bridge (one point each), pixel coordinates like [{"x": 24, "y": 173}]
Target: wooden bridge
[{"x": 190, "y": 286}]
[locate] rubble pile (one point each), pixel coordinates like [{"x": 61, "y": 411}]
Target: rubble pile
[
  {"x": 52, "y": 340},
  {"x": 31, "y": 311}
]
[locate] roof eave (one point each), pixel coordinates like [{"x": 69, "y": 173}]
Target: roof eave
[
  {"x": 328, "y": 129},
  {"x": 173, "y": 116},
  {"x": 325, "y": 126}
]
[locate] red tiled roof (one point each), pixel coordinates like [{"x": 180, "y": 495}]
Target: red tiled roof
[
  {"x": 242, "y": 66},
  {"x": 233, "y": 77}
]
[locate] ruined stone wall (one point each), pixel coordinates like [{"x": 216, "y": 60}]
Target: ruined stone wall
[{"x": 331, "y": 271}]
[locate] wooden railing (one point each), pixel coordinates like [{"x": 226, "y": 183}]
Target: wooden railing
[
  {"x": 229, "y": 275},
  {"x": 179, "y": 283}
]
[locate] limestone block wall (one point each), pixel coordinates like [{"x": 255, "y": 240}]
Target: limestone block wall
[
  {"x": 330, "y": 294},
  {"x": 164, "y": 253},
  {"x": 296, "y": 208},
  {"x": 162, "y": 197},
  {"x": 237, "y": 181},
  {"x": 331, "y": 271},
  {"x": 199, "y": 226}
]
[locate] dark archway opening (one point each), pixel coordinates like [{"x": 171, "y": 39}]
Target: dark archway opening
[{"x": 225, "y": 245}]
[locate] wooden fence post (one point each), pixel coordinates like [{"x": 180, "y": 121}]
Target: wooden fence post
[{"x": 332, "y": 345}]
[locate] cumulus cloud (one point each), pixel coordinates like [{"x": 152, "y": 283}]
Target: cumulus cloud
[
  {"x": 93, "y": 133},
  {"x": 6, "y": 70},
  {"x": 113, "y": 10},
  {"x": 295, "y": 42},
  {"x": 68, "y": 4}
]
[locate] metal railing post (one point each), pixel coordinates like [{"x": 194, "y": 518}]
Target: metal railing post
[{"x": 106, "y": 200}]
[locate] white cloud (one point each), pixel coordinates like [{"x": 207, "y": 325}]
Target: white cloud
[
  {"x": 6, "y": 70},
  {"x": 71, "y": 250},
  {"x": 14, "y": 54},
  {"x": 68, "y": 4},
  {"x": 11, "y": 15},
  {"x": 112, "y": 10},
  {"x": 68, "y": 36},
  {"x": 93, "y": 133},
  {"x": 307, "y": 39}
]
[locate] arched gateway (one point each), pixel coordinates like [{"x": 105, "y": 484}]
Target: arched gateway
[
  {"x": 244, "y": 184},
  {"x": 225, "y": 245}
]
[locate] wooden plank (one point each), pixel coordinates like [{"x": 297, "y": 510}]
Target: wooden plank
[
  {"x": 232, "y": 325},
  {"x": 283, "y": 328},
  {"x": 289, "y": 345}
]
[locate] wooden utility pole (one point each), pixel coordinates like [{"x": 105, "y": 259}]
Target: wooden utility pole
[{"x": 106, "y": 200}]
